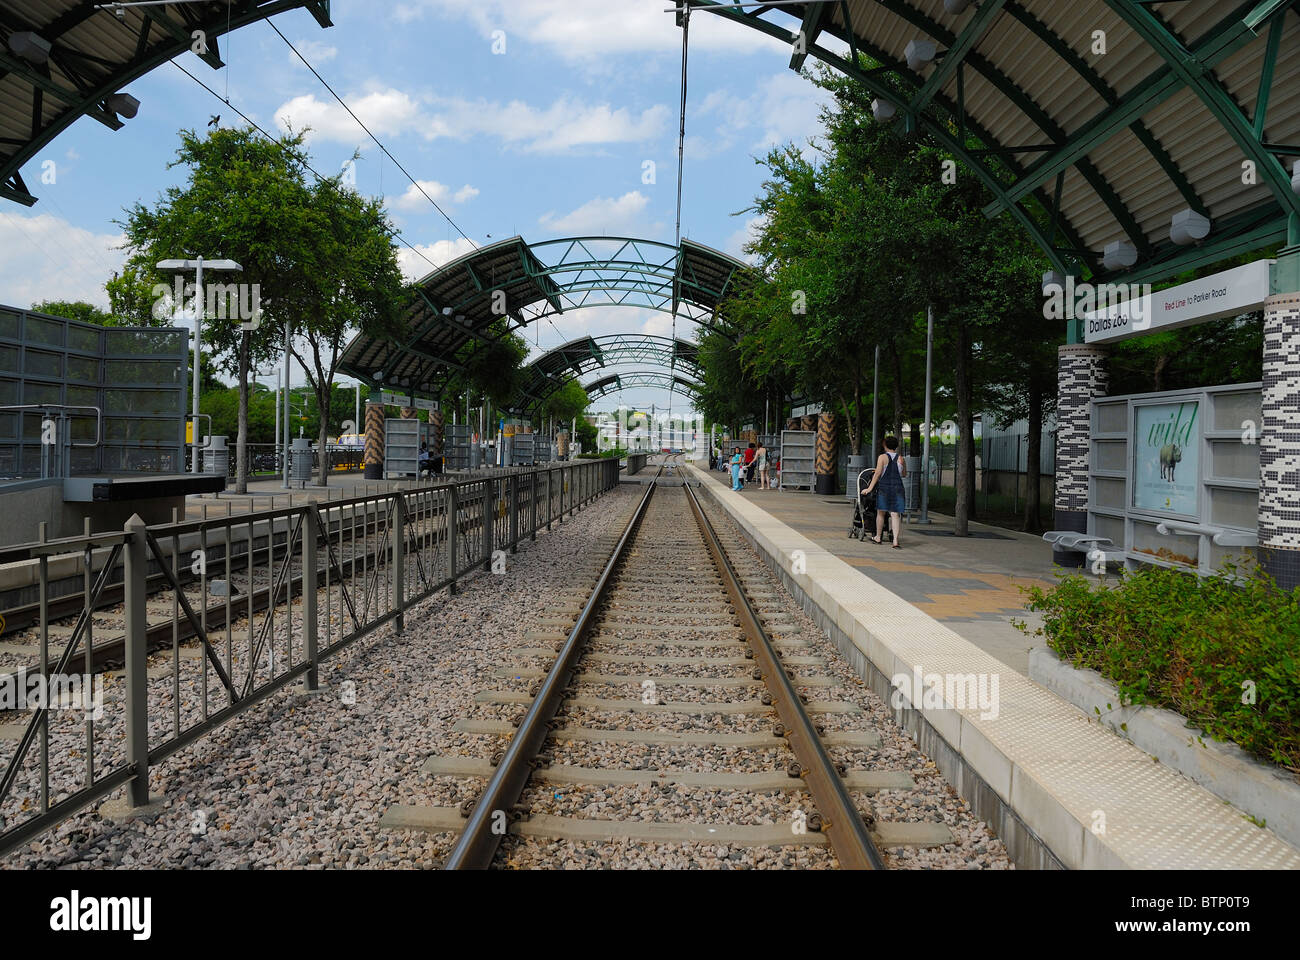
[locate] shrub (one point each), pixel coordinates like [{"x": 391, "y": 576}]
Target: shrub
[{"x": 1197, "y": 645}]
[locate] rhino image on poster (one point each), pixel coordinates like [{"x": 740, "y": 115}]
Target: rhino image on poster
[{"x": 1166, "y": 450}]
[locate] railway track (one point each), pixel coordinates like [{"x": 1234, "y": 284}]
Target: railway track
[{"x": 668, "y": 662}]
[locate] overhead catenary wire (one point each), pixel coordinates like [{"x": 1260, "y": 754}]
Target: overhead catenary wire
[
  {"x": 397, "y": 163},
  {"x": 319, "y": 176}
]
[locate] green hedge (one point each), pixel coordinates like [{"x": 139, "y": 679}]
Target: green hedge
[{"x": 1193, "y": 644}]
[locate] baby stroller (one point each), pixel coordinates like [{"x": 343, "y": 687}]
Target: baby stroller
[
  {"x": 864, "y": 510},
  {"x": 864, "y": 507}
]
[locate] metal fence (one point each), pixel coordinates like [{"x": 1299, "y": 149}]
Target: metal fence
[{"x": 262, "y": 601}]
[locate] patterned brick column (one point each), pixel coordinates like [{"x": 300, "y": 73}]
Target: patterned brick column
[
  {"x": 825, "y": 465},
  {"x": 794, "y": 423},
  {"x": 374, "y": 451},
  {"x": 1082, "y": 375},
  {"x": 1279, "y": 442},
  {"x": 809, "y": 422}
]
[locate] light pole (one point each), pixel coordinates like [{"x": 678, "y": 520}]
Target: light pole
[
  {"x": 925, "y": 450},
  {"x": 199, "y": 307}
]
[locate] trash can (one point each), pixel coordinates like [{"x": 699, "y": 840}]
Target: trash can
[
  {"x": 912, "y": 484},
  {"x": 216, "y": 456},
  {"x": 300, "y": 460},
  {"x": 856, "y": 466}
]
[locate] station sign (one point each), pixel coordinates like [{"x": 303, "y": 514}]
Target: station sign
[
  {"x": 404, "y": 400},
  {"x": 1226, "y": 294}
]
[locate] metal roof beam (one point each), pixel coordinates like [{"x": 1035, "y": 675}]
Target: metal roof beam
[
  {"x": 1212, "y": 93},
  {"x": 814, "y": 16},
  {"x": 867, "y": 78},
  {"x": 1089, "y": 74},
  {"x": 1230, "y": 35},
  {"x": 956, "y": 53}
]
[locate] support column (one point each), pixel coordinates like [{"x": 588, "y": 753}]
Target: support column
[
  {"x": 826, "y": 450},
  {"x": 439, "y": 421},
  {"x": 1279, "y": 442},
  {"x": 794, "y": 423},
  {"x": 374, "y": 451},
  {"x": 1083, "y": 377},
  {"x": 809, "y": 422}
]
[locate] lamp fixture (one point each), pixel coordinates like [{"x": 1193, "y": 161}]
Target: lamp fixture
[
  {"x": 31, "y": 46},
  {"x": 920, "y": 53},
  {"x": 1188, "y": 226},
  {"x": 1119, "y": 255}
]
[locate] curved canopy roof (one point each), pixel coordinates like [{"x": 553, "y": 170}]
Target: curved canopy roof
[
  {"x": 554, "y": 368},
  {"x": 612, "y": 383},
  {"x": 1093, "y": 121},
  {"x": 60, "y": 59},
  {"x": 462, "y": 305}
]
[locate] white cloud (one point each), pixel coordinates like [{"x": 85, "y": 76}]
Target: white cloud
[
  {"x": 414, "y": 266},
  {"x": 783, "y": 108},
  {"x": 607, "y": 216},
  {"x": 418, "y": 195},
  {"x": 563, "y": 126},
  {"x": 316, "y": 52},
  {"x": 737, "y": 241},
  {"x": 384, "y": 112},
  {"x": 50, "y": 259},
  {"x": 587, "y": 31}
]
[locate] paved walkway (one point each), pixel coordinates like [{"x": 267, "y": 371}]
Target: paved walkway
[{"x": 970, "y": 584}]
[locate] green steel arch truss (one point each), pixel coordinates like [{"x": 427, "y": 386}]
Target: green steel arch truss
[
  {"x": 501, "y": 288},
  {"x": 579, "y": 357}
]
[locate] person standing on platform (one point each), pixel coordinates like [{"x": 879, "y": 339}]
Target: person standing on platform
[
  {"x": 892, "y": 498},
  {"x": 737, "y": 461},
  {"x": 713, "y": 457},
  {"x": 760, "y": 465},
  {"x": 749, "y": 464}
]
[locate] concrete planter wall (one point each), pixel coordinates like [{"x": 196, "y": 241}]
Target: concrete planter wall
[{"x": 1261, "y": 791}]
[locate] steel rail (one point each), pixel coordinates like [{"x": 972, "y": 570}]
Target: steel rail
[
  {"x": 840, "y": 819},
  {"x": 478, "y": 842}
]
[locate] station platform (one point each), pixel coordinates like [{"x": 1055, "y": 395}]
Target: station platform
[
  {"x": 1060, "y": 789},
  {"x": 970, "y": 584}
]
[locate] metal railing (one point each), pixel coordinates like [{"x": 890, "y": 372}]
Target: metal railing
[{"x": 262, "y": 600}]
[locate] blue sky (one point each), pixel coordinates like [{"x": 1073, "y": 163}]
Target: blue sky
[{"x": 548, "y": 138}]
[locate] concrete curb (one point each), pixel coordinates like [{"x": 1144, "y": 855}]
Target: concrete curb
[{"x": 1227, "y": 771}]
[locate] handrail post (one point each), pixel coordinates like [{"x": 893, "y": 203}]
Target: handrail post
[
  {"x": 311, "y": 524},
  {"x": 564, "y": 483},
  {"x": 134, "y": 572},
  {"x": 399, "y": 559},
  {"x": 513, "y": 499},
  {"x": 532, "y": 507},
  {"x": 453, "y": 508},
  {"x": 489, "y": 518}
]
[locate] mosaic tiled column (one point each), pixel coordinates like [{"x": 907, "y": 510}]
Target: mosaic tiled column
[
  {"x": 439, "y": 420},
  {"x": 809, "y": 422},
  {"x": 794, "y": 423},
  {"x": 1082, "y": 375},
  {"x": 825, "y": 466},
  {"x": 374, "y": 452},
  {"x": 1279, "y": 442}
]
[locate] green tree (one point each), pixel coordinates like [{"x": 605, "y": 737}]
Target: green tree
[
  {"x": 75, "y": 310},
  {"x": 320, "y": 258}
]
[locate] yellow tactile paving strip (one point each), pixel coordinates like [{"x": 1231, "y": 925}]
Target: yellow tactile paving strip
[
  {"x": 1094, "y": 798},
  {"x": 1003, "y": 596}
]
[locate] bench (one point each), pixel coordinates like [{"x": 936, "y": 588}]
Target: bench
[{"x": 1092, "y": 547}]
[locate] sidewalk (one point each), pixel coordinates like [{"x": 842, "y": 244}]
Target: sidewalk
[{"x": 970, "y": 584}]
